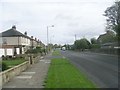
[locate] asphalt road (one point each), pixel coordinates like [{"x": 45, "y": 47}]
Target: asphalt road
[{"x": 100, "y": 68}]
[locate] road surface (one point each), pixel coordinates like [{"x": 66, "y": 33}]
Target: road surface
[{"x": 102, "y": 69}]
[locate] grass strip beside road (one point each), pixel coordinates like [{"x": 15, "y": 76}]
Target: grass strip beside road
[
  {"x": 62, "y": 74},
  {"x": 56, "y": 53}
]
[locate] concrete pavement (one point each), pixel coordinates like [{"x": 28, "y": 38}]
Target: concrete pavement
[{"x": 33, "y": 77}]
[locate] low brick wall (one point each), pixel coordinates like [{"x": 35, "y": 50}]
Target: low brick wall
[{"x": 7, "y": 75}]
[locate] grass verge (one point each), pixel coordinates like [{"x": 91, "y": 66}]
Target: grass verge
[
  {"x": 62, "y": 74},
  {"x": 56, "y": 53}
]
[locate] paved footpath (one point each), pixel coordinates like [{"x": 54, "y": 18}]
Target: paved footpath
[{"x": 33, "y": 77}]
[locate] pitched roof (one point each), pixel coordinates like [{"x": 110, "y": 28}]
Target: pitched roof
[
  {"x": 107, "y": 33},
  {"x": 101, "y": 36},
  {"x": 12, "y": 33}
]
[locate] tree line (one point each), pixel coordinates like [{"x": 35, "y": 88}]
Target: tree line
[
  {"x": 112, "y": 15},
  {"x": 112, "y": 34}
]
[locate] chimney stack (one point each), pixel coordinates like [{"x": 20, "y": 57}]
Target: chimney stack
[
  {"x": 14, "y": 27},
  {"x": 38, "y": 40},
  {"x": 25, "y": 33},
  {"x": 35, "y": 39},
  {"x": 32, "y": 37}
]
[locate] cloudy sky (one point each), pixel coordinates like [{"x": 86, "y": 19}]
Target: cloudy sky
[{"x": 69, "y": 17}]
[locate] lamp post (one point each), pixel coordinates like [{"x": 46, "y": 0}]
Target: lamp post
[{"x": 48, "y": 37}]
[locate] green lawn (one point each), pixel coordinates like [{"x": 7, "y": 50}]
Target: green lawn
[
  {"x": 14, "y": 62},
  {"x": 62, "y": 74}
]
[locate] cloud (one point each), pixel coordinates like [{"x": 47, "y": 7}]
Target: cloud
[{"x": 70, "y": 17}]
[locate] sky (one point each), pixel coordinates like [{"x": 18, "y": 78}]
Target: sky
[{"x": 83, "y": 18}]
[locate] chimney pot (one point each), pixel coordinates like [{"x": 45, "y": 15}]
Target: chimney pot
[
  {"x": 32, "y": 37},
  {"x": 25, "y": 33},
  {"x": 14, "y": 27}
]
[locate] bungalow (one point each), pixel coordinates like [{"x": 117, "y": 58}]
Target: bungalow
[{"x": 13, "y": 42}]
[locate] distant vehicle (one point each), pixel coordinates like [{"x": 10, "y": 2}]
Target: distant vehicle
[{"x": 63, "y": 48}]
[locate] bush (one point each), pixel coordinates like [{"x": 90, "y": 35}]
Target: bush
[
  {"x": 82, "y": 44},
  {"x": 95, "y": 46},
  {"x": 35, "y": 51},
  {"x": 4, "y": 66}
]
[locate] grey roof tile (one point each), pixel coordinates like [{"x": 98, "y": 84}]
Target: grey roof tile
[{"x": 12, "y": 33}]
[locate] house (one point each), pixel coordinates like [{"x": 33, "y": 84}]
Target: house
[
  {"x": 34, "y": 42},
  {"x": 42, "y": 44},
  {"x": 13, "y": 42},
  {"x": 108, "y": 40},
  {"x": 109, "y": 36}
]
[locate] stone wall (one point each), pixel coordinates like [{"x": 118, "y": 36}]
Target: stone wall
[
  {"x": 7, "y": 75},
  {"x": 36, "y": 59},
  {"x": 33, "y": 58}
]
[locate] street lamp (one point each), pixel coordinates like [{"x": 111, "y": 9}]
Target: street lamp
[{"x": 48, "y": 37}]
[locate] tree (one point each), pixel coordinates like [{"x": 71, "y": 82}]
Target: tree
[
  {"x": 113, "y": 18},
  {"x": 82, "y": 44},
  {"x": 94, "y": 44},
  {"x": 93, "y": 41},
  {"x": 57, "y": 46},
  {"x": 67, "y": 46}
]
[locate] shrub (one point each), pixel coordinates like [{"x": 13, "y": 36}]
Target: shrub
[
  {"x": 37, "y": 50},
  {"x": 95, "y": 46},
  {"x": 4, "y": 66}
]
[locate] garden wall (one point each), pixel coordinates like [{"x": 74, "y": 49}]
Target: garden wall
[{"x": 7, "y": 75}]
